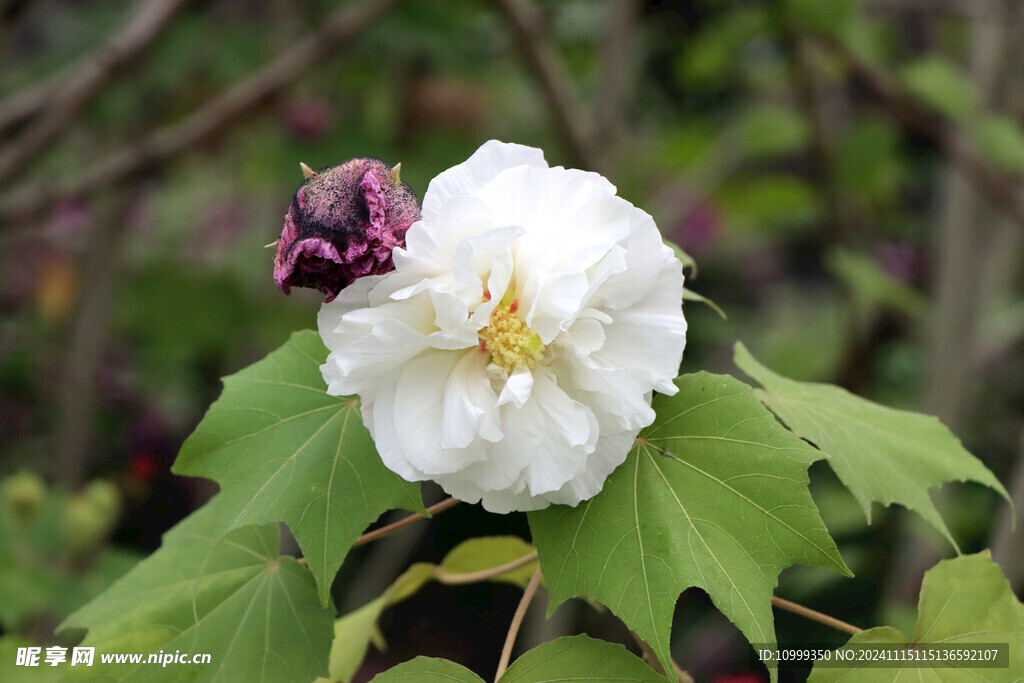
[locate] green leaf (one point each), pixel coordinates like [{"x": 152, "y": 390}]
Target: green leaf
[
  {"x": 569, "y": 658},
  {"x": 777, "y": 201},
  {"x": 964, "y": 600},
  {"x": 770, "y": 131},
  {"x": 354, "y": 631},
  {"x": 683, "y": 257},
  {"x": 283, "y": 450},
  {"x": 713, "y": 495},
  {"x": 940, "y": 85},
  {"x": 712, "y": 57},
  {"x": 880, "y": 454},
  {"x": 872, "y": 285},
  {"x": 1002, "y": 140},
  {"x": 257, "y": 614},
  {"x": 830, "y": 18},
  {"x": 868, "y": 161},
  {"x": 690, "y": 295},
  {"x": 428, "y": 670},
  {"x": 579, "y": 658},
  {"x": 478, "y": 554}
]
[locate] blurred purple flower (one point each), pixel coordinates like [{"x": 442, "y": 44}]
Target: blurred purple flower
[
  {"x": 901, "y": 260},
  {"x": 307, "y": 118},
  {"x": 343, "y": 224}
]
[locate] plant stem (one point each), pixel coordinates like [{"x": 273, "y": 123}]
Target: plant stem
[
  {"x": 370, "y": 536},
  {"x": 815, "y": 616},
  {"x": 517, "y": 620},
  {"x": 484, "y": 574}
]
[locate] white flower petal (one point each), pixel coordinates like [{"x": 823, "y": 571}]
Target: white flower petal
[
  {"x": 470, "y": 404},
  {"x": 582, "y": 269},
  {"x": 418, "y": 412},
  {"x": 517, "y": 388},
  {"x": 466, "y": 178},
  {"x": 564, "y": 433},
  {"x": 428, "y": 253}
]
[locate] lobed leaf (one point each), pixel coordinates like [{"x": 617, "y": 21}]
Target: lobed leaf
[
  {"x": 572, "y": 658},
  {"x": 963, "y": 601},
  {"x": 880, "y": 454},
  {"x": 282, "y": 449},
  {"x": 713, "y": 495},
  {"x": 255, "y": 613},
  {"x": 428, "y": 670}
]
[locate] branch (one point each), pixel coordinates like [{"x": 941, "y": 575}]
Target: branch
[
  {"x": 371, "y": 536},
  {"x": 973, "y": 9},
  {"x": 1002, "y": 190},
  {"x": 554, "y": 81},
  {"x": 59, "y": 100},
  {"x": 617, "y": 70},
  {"x": 1007, "y": 548},
  {"x": 517, "y": 621},
  {"x": 165, "y": 143},
  {"x": 484, "y": 574},
  {"x": 815, "y": 616}
]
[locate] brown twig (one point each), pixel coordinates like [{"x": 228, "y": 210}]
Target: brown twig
[
  {"x": 1002, "y": 190},
  {"x": 651, "y": 657},
  {"x": 60, "y": 100},
  {"x": 371, "y": 536},
  {"x": 484, "y": 574},
  {"x": 75, "y": 431},
  {"x": 618, "y": 72},
  {"x": 974, "y": 9},
  {"x": 517, "y": 620},
  {"x": 163, "y": 144},
  {"x": 815, "y": 616},
  {"x": 554, "y": 81},
  {"x": 1007, "y": 540}
]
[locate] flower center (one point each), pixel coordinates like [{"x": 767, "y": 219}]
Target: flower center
[{"x": 510, "y": 341}]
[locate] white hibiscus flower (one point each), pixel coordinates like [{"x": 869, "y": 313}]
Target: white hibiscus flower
[{"x": 511, "y": 354}]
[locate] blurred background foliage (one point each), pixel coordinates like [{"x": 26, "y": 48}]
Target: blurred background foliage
[{"x": 848, "y": 174}]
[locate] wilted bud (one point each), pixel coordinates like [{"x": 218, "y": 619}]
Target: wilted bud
[{"x": 343, "y": 224}]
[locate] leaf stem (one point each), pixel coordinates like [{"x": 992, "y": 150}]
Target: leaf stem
[
  {"x": 484, "y": 574},
  {"x": 517, "y": 621},
  {"x": 371, "y": 536},
  {"x": 815, "y": 616}
]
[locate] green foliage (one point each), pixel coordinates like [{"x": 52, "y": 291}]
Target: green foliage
[
  {"x": 768, "y": 131},
  {"x": 354, "y": 632},
  {"x": 830, "y": 18},
  {"x": 52, "y": 554},
  {"x": 579, "y": 657},
  {"x": 1002, "y": 140},
  {"x": 964, "y": 600},
  {"x": 713, "y": 56},
  {"x": 871, "y": 286},
  {"x": 868, "y": 163},
  {"x": 257, "y": 614},
  {"x": 568, "y": 658},
  {"x": 284, "y": 450},
  {"x": 880, "y": 454},
  {"x": 941, "y": 86},
  {"x": 713, "y": 495},
  {"x": 428, "y": 670},
  {"x": 768, "y": 202}
]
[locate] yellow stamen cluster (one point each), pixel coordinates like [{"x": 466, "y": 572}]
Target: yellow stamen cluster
[{"x": 510, "y": 341}]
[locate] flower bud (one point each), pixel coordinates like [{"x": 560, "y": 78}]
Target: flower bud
[
  {"x": 24, "y": 493},
  {"x": 343, "y": 224}
]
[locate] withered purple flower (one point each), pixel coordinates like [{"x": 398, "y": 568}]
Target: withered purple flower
[{"x": 343, "y": 224}]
